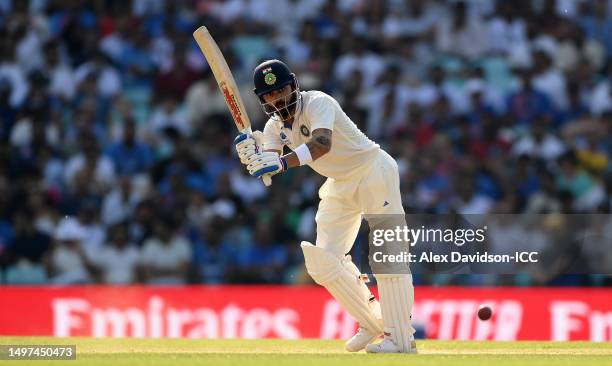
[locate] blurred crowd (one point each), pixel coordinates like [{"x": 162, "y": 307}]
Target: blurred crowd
[{"x": 109, "y": 116}]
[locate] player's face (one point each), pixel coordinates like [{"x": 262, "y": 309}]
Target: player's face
[
  {"x": 281, "y": 102},
  {"x": 276, "y": 97}
]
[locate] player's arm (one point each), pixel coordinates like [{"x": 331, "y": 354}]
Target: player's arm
[
  {"x": 319, "y": 144},
  {"x": 321, "y": 110},
  {"x": 270, "y": 162},
  {"x": 248, "y": 145}
]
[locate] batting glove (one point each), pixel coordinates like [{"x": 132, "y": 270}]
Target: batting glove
[
  {"x": 247, "y": 145},
  {"x": 266, "y": 163}
]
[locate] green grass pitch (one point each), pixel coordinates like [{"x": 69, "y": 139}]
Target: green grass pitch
[{"x": 187, "y": 352}]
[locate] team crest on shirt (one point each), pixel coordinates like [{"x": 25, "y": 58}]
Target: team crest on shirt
[{"x": 304, "y": 130}]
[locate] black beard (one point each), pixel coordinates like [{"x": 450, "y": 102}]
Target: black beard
[
  {"x": 288, "y": 112},
  {"x": 284, "y": 113}
]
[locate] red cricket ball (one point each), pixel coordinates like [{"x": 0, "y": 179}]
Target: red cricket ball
[{"x": 484, "y": 312}]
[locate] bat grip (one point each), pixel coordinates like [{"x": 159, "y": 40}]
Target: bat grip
[{"x": 267, "y": 180}]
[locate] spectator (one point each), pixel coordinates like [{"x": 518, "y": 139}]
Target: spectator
[
  {"x": 573, "y": 179},
  {"x": 93, "y": 229},
  {"x": 211, "y": 256},
  {"x": 388, "y": 101},
  {"x": 358, "y": 57},
  {"x": 526, "y": 179},
  {"x": 539, "y": 143},
  {"x": 8, "y": 113},
  {"x": 588, "y": 139},
  {"x": 120, "y": 203},
  {"x": 262, "y": 261},
  {"x": 576, "y": 109},
  {"x": 461, "y": 33},
  {"x": 596, "y": 23},
  {"x": 89, "y": 165},
  {"x": 100, "y": 70},
  {"x": 115, "y": 44},
  {"x": 28, "y": 243},
  {"x": 170, "y": 115},
  {"x": 65, "y": 262},
  {"x": 432, "y": 188},
  {"x": 204, "y": 89},
  {"x": 166, "y": 255},
  {"x": 468, "y": 201},
  {"x": 549, "y": 80},
  {"x": 117, "y": 261},
  {"x": 11, "y": 72},
  {"x": 421, "y": 18},
  {"x": 249, "y": 189},
  {"x": 507, "y": 30},
  {"x": 62, "y": 82},
  {"x": 130, "y": 156},
  {"x": 574, "y": 47},
  {"x": 545, "y": 200},
  {"x": 527, "y": 103},
  {"x": 175, "y": 82},
  {"x": 136, "y": 61},
  {"x": 601, "y": 95}
]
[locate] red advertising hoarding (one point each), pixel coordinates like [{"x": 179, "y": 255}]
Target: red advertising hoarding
[{"x": 297, "y": 312}]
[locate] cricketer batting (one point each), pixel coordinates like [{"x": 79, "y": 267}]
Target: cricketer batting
[{"x": 362, "y": 179}]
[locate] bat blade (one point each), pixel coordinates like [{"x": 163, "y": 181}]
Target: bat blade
[
  {"x": 224, "y": 78},
  {"x": 226, "y": 83}
]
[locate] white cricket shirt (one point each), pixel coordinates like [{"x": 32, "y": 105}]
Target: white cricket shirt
[{"x": 351, "y": 152}]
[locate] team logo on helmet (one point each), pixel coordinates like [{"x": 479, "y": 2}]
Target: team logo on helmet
[
  {"x": 304, "y": 130},
  {"x": 270, "y": 78}
]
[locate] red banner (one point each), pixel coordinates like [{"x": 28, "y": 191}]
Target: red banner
[{"x": 297, "y": 312}]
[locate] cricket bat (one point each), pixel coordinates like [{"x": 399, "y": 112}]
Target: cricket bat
[{"x": 226, "y": 83}]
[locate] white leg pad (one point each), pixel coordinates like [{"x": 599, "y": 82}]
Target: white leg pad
[
  {"x": 342, "y": 279},
  {"x": 396, "y": 298},
  {"x": 374, "y": 304}
]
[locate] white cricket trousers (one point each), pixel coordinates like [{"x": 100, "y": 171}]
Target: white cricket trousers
[{"x": 375, "y": 190}]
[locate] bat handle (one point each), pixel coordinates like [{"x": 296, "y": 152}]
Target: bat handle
[{"x": 267, "y": 180}]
